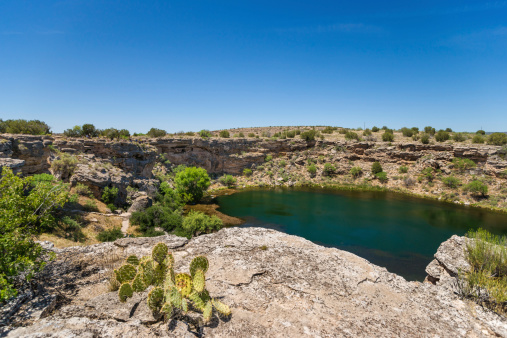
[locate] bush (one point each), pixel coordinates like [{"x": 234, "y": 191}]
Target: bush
[
  {"x": 459, "y": 137},
  {"x": 225, "y": 134},
  {"x": 381, "y": 176},
  {"x": 268, "y": 158},
  {"x": 425, "y": 138},
  {"x": 205, "y": 133},
  {"x": 251, "y": 135},
  {"x": 478, "y": 139},
  {"x": 497, "y": 139},
  {"x": 74, "y": 132},
  {"x": 486, "y": 281},
  {"x": 91, "y": 205},
  {"x": 429, "y": 130},
  {"x": 228, "y": 180},
  {"x": 451, "y": 182},
  {"x": 477, "y": 188},
  {"x": 110, "y": 235},
  {"x": 191, "y": 183},
  {"x": 442, "y": 136},
  {"x": 247, "y": 172},
  {"x": 309, "y": 135},
  {"x": 329, "y": 169},
  {"x": 291, "y": 134},
  {"x": 312, "y": 169},
  {"x": 42, "y": 179},
  {"x": 24, "y": 214},
  {"x": 427, "y": 173},
  {"x": 449, "y": 130},
  {"x": 376, "y": 168},
  {"x": 83, "y": 190},
  {"x": 32, "y": 127},
  {"x": 196, "y": 223},
  {"x": 375, "y": 129},
  {"x": 463, "y": 164},
  {"x": 387, "y": 137},
  {"x": 154, "y": 132},
  {"x": 89, "y": 130},
  {"x": 367, "y": 132},
  {"x": 65, "y": 164},
  {"x": 350, "y": 135},
  {"x": 480, "y": 132},
  {"x": 407, "y": 132},
  {"x": 403, "y": 169},
  {"x": 157, "y": 216},
  {"x": 109, "y": 195},
  {"x": 356, "y": 171}
]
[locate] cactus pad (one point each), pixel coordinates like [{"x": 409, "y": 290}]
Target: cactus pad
[
  {"x": 155, "y": 299},
  {"x": 148, "y": 271},
  {"x": 197, "y": 301},
  {"x": 184, "y": 306},
  {"x": 174, "y": 296},
  {"x": 125, "y": 273},
  {"x": 159, "y": 252},
  {"x": 199, "y": 281},
  {"x": 169, "y": 279},
  {"x": 183, "y": 283},
  {"x": 221, "y": 307},
  {"x": 138, "y": 284},
  {"x": 198, "y": 263},
  {"x": 125, "y": 292},
  {"x": 167, "y": 308},
  {"x": 133, "y": 260},
  {"x": 159, "y": 274},
  {"x": 169, "y": 260},
  {"x": 207, "y": 312}
]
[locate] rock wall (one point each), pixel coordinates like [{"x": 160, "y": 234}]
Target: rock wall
[{"x": 277, "y": 286}]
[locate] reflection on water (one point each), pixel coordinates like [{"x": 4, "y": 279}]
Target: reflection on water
[{"x": 399, "y": 232}]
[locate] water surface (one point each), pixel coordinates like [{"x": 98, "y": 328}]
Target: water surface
[{"x": 399, "y": 232}]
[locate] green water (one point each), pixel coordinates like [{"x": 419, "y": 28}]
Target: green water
[{"x": 401, "y": 233}]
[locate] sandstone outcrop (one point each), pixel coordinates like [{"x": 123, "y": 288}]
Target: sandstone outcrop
[{"x": 276, "y": 284}]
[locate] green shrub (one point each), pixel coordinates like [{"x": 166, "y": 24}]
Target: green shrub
[
  {"x": 442, "y": 136},
  {"x": 83, "y": 190},
  {"x": 196, "y": 223},
  {"x": 350, "y": 135},
  {"x": 110, "y": 235},
  {"x": 157, "y": 216},
  {"x": 251, "y": 135},
  {"x": 343, "y": 131},
  {"x": 24, "y": 214},
  {"x": 74, "y": 132},
  {"x": 429, "y": 130},
  {"x": 403, "y": 169},
  {"x": 415, "y": 130},
  {"x": 381, "y": 176},
  {"x": 427, "y": 173},
  {"x": 228, "y": 180},
  {"x": 225, "y": 134},
  {"x": 407, "y": 132},
  {"x": 459, "y": 137},
  {"x": 111, "y": 207},
  {"x": 463, "y": 164},
  {"x": 486, "y": 282},
  {"x": 247, "y": 172},
  {"x": 191, "y": 183},
  {"x": 497, "y": 139},
  {"x": 291, "y": 134},
  {"x": 282, "y": 163},
  {"x": 328, "y": 130},
  {"x": 109, "y": 194},
  {"x": 480, "y": 132},
  {"x": 65, "y": 164},
  {"x": 312, "y": 169},
  {"x": 154, "y": 132},
  {"x": 268, "y": 158},
  {"x": 205, "y": 133},
  {"x": 367, "y": 132},
  {"x": 449, "y": 130},
  {"x": 375, "y": 129},
  {"x": 69, "y": 228},
  {"x": 478, "y": 139},
  {"x": 451, "y": 182},
  {"x": 42, "y": 179},
  {"x": 91, "y": 205},
  {"x": 309, "y": 135},
  {"x": 32, "y": 127},
  {"x": 376, "y": 168},
  {"x": 356, "y": 171},
  {"x": 477, "y": 188},
  {"x": 387, "y": 137},
  {"x": 425, "y": 138},
  {"x": 329, "y": 169}
]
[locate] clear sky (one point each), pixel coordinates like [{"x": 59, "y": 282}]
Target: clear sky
[{"x": 190, "y": 65}]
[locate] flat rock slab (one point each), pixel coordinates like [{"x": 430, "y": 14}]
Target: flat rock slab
[{"x": 279, "y": 286}]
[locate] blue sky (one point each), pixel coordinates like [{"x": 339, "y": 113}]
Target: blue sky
[{"x": 189, "y": 65}]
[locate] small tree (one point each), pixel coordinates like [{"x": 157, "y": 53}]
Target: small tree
[
  {"x": 191, "y": 183},
  {"x": 375, "y": 129},
  {"x": 387, "y": 137},
  {"x": 477, "y": 188},
  {"x": 376, "y": 168},
  {"x": 480, "y": 132},
  {"x": 451, "y": 182},
  {"x": 89, "y": 130},
  {"x": 429, "y": 130},
  {"x": 309, "y": 135}
]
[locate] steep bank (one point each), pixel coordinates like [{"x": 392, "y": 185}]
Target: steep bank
[{"x": 276, "y": 285}]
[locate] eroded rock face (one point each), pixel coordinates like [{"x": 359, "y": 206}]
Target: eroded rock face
[{"x": 277, "y": 285}]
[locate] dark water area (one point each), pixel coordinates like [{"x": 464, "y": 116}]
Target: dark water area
[{"x": 401, "y": 233}]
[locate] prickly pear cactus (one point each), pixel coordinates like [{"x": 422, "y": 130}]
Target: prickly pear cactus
[
  {"x": 172, "y": 293},
  {"x": 199, "y": 263},
  {"x": 125, "y": 291}
]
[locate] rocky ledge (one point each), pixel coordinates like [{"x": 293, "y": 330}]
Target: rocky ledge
[{"x": 276, "y": 285}]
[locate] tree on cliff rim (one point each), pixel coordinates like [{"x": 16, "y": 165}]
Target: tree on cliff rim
[
  {"x": 27, "y": 209},
  {"x": 191, "y": 184}
]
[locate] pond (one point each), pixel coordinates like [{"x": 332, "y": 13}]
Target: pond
[{"x": 399, "y": 232}]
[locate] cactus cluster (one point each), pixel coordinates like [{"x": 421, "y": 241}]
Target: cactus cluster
[{"x": 172, "y": 292}]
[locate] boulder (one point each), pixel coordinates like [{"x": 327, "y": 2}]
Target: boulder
[{"x": 140, "y": 203}]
